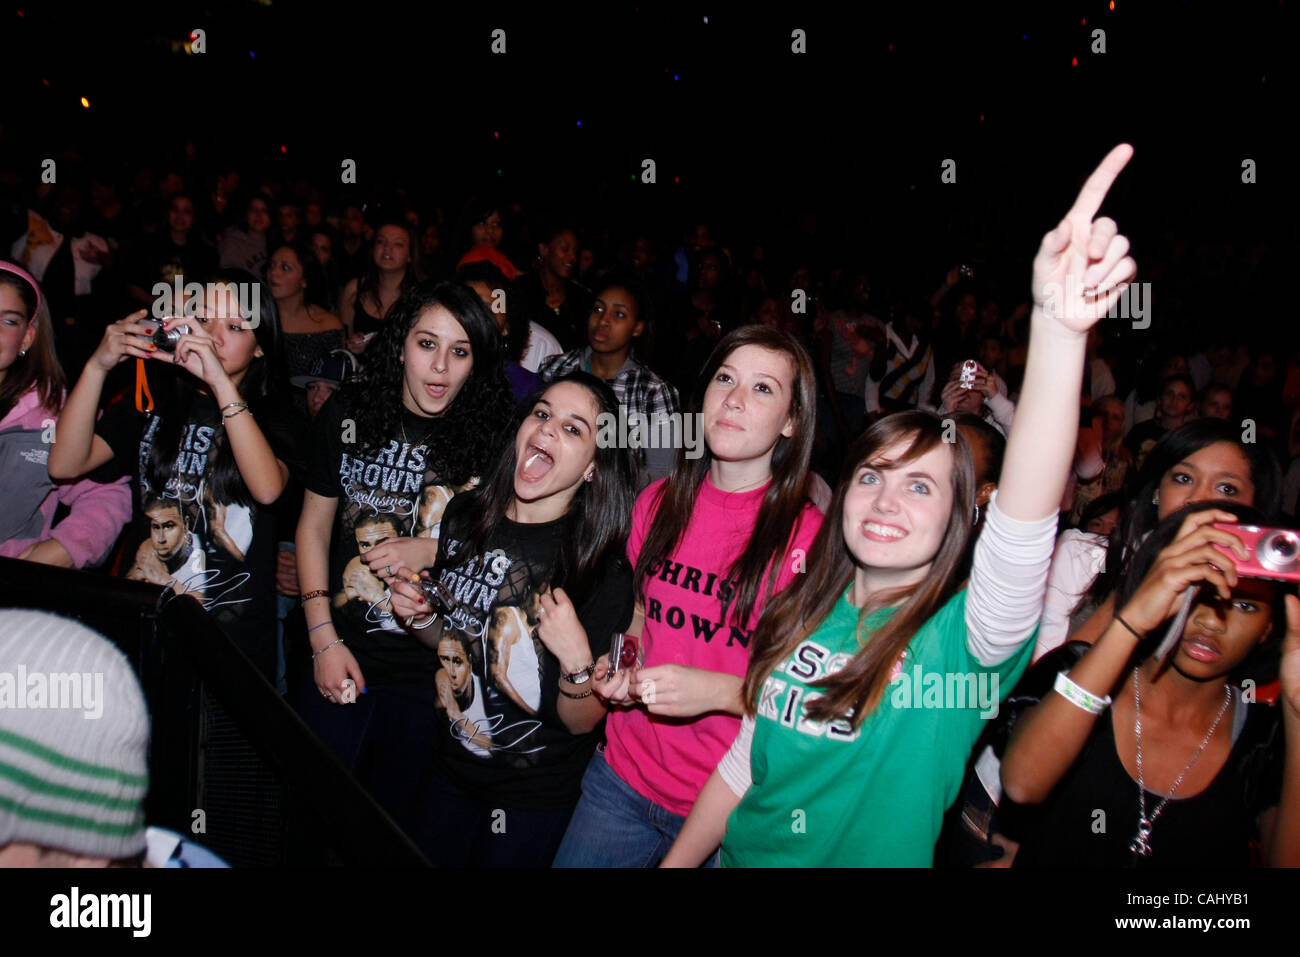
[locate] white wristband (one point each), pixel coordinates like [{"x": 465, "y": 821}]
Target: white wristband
[{"x": 1079, "y": 697}]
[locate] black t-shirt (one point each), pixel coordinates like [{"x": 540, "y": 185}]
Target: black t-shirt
[
  {"x": 505, "y": 741},
  {"x": 386, "y": 490},
  {"x": 1210, "y": 829},
  {"x": 217, "y": 548}
]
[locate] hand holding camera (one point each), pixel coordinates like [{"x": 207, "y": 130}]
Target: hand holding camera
[
  {"x": 1206, "y": 552},
  {"x": 1274, "y": 552},
  {"x": 124, "y": 339}
]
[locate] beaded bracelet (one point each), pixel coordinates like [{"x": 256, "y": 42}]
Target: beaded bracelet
[
  {"x": 318, "y": 593},
  {"x": 1079, "y": 697}
]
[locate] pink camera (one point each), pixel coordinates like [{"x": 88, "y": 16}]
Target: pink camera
[{"x": 1274, "y": 552}]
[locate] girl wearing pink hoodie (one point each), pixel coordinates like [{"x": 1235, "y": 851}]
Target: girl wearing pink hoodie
[{"x": 31, "y": 395}]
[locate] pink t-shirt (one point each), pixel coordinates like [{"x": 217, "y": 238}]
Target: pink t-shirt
[{"x": 668, "y": 760}]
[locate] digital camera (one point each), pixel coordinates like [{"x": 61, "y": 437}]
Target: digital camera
[
  {"x": 624, "y": 653},
  {"x": 1274, "y": 552},
  {"x": 164, "y": 339},
  {"x": 438, "y": 595}
]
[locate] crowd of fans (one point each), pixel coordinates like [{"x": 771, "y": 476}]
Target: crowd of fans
[{"x": 370, "y": 443}]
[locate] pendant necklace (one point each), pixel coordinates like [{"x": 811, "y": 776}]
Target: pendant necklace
[{"x": 1141, "y": 843}]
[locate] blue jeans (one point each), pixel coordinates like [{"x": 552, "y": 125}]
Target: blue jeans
[
  {"x": 614, "y": 826},
  {"x": 385, "y": 740},
  {"x": 461, "y": 830}
]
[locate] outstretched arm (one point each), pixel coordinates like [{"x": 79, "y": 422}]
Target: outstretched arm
[{"x": 1081, "y": 270}]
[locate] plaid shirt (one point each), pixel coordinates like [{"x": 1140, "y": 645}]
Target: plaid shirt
[{"x": 636, "y": 387}]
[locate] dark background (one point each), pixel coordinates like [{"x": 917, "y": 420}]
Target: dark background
[{"x": 829, "y": 154}]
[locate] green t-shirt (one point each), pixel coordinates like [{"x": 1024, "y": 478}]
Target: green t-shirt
[{"x": 826, "y": 796}]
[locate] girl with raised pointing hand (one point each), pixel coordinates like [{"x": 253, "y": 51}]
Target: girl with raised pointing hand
[{"x": 832, "y": 766}]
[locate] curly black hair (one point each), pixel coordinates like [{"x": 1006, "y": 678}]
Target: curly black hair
[{"x": 467, "y": 437}]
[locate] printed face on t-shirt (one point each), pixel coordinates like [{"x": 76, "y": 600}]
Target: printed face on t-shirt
[
  {"x": 167, "y": 529},
  {"x": 895, "y": 518},
  {"x": 747, "y": 404},
  {"x": 368, "y": 536},
  {"x": 455, "y": 662},
  {"x": 437, "y": 360}
]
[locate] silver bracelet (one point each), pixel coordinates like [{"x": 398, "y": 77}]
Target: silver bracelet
[
  {"x": 581, "y": 676},
  {"x": 1079, "y": 697},
  {"x": 317, "y": 654}
]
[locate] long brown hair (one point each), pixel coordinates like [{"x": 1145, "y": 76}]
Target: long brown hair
[
  {"x": 799, "y": 610},
  {"x": 782, "y": 502},
  {"x": 40, "y": 367}
]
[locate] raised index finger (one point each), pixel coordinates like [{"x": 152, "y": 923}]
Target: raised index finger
[{"x": 1098, "y": 185}]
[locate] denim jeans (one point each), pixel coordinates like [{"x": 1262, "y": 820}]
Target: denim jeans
[
  {"x": 384, "y": 740},
  {"x": 463, "y": 830},
  {"x": 614, "y": 826}
]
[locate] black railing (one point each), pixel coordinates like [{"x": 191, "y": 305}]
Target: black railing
[{"x": 220, "y": 734}]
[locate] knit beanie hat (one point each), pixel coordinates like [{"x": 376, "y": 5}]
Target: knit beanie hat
[{"x": 74, "y": 737}]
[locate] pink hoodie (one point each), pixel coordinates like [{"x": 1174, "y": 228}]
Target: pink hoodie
[{"x": 30, "y": 497}]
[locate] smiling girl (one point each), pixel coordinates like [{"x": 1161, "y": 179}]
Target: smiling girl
[
  {"x": 845, "y": 756},
  {"x": 711, "y": 545},
  {"x": 216, "y": 449},
  {"x": 540, "y": 543},
  {"x": 31, "y": 393}
]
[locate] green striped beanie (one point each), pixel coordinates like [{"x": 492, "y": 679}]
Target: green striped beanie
[{"x": 74, "y": 739}]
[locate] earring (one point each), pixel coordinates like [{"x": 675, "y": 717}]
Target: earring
[
  {"x": 589, "y": 476},
  {"x": 1155, "y": 498},
  {"x": 977, "y": 516},
  {"x": 23, "y": 353}
]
